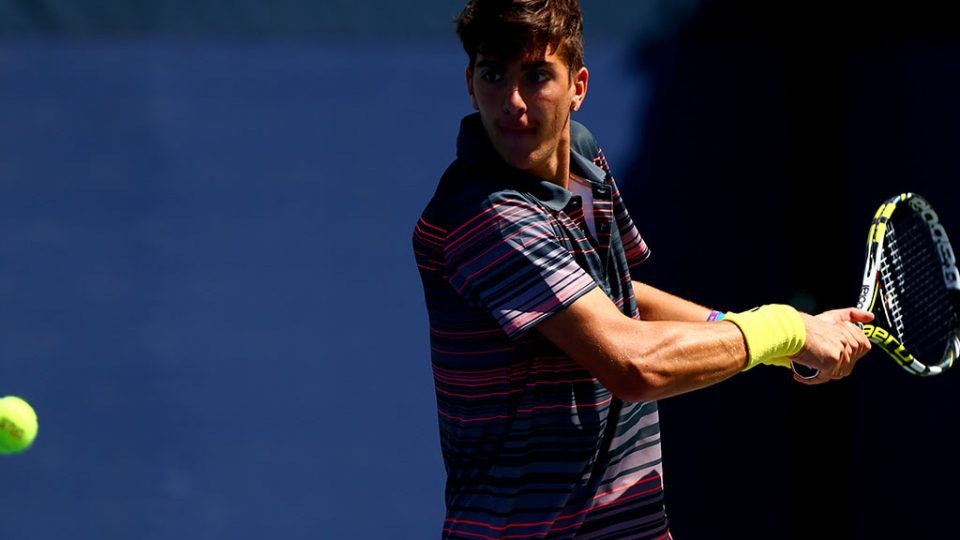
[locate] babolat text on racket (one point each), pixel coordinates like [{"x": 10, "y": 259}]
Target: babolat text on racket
[{"x": 912, "y": 286}]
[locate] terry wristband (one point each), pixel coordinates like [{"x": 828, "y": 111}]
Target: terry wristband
[{"x": 773, "y": 333}]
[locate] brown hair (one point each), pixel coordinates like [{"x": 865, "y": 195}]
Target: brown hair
[{"x": 512, "y": 28}]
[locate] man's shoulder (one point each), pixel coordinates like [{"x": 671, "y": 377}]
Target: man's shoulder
[{"x": 465, "y": 191}]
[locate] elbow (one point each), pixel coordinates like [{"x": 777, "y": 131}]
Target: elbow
[{"x": 637, "y": 383}]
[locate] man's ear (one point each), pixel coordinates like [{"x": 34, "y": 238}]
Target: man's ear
[
  {"x": 580, "y": 88},
  {"x": 473, "y": 98}
]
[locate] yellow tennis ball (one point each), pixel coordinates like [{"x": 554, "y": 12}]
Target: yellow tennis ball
[{"x": 18, "y": 425}]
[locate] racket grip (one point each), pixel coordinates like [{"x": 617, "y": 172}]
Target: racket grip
[{"x": 804, "y": 372}]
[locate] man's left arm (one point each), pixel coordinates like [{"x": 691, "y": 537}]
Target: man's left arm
[{"x": 654, "y": 304}]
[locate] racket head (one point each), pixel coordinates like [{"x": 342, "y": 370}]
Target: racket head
[{"x": 912, "y": 286}]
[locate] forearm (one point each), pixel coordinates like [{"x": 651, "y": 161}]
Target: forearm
[
  {"x": 672, "y": 358},
  {"x": 657, "y": 305},
  {"x": 646, "y": 360}
]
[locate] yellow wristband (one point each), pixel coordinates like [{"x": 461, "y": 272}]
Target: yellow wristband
[{"x": 773, "y": 333}]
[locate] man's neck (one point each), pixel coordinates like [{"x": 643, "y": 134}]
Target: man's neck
[
  {"x": 557, "y": 170},
  {"x": 562, "y": 177}
]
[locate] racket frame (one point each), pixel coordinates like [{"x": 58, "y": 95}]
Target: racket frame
[{"x": 881, "y": 335}]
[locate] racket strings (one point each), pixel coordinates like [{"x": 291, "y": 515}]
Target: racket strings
[
  {"x": 892, "y": 277},
  {"x": 915, "y": 294}
]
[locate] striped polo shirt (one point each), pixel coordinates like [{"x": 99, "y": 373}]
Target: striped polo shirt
[{"x": 534, "y": 446}]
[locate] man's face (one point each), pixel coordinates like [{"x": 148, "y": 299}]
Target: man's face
[{"x": 525, "y": 105}]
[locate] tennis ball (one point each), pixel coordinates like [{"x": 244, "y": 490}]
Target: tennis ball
[{"x": 18, "y": 425}]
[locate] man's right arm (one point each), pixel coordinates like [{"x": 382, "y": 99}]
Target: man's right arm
[{"x": 649, "y": 360}]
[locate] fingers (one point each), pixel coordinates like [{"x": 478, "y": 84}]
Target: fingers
[
  {"x": 852, "y": 342},
  {"x": 819, "y": 379},
  {"x": 860, "y": 315},
  {"x": 803, "y": 377},
  {"x": 848, "y": 315},
  {"x": 834, "y": 344},
  {"x": 863, "y": 345}
]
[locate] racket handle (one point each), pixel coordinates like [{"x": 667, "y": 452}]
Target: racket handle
[{"x": 804, "y": 372}]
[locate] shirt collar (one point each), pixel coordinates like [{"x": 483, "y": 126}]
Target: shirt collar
[
  {"x": 474, "y": 147},
  {"x": 587, "y": 168}
]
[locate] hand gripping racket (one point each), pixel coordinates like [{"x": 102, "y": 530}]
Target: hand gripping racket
[{"x": 911, "y": 284}]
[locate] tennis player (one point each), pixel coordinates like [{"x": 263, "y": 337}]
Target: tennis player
[{"x": 548, "y": 357}]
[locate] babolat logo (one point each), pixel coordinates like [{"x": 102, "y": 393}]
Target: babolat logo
[
  {"x": 950, "y": 274},
  {"x": 888, "y": 342},
  {"x": 864, "y": 297}
]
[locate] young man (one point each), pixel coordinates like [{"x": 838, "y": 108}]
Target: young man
[{"x": 548, "y": 358}]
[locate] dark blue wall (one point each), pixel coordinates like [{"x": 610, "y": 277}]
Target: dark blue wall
[{"x": 208, "y": 290}]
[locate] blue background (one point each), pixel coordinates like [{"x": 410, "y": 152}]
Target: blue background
[{"x": 207, "y": 289}]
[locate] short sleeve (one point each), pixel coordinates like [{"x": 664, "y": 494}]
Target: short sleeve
[{"x": 509, "y": 261}]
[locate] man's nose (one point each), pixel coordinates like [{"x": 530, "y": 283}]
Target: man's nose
[{"x": 513, "y": 103}]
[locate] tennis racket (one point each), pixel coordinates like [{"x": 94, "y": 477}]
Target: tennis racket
[{"x": 912, "y": 287}]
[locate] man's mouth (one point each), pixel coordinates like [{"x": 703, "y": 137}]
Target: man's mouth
[{"x": 516, "y": 129}]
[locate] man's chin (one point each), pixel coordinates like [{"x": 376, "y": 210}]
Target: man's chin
[
  {"x": 524, "y": 163},
  {"x": 519, "y": 159}
]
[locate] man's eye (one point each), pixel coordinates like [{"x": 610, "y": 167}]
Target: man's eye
[
  {"x": 491, "y": 76},
  {"x": 537, "y": 77}
]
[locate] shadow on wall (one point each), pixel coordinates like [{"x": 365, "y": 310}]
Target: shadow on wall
[{"x": 772, "y": 134}]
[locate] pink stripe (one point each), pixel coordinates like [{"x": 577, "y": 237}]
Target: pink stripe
[
  {"x": 505, "y": 378},
  {"x": 516, "y": 208},
  {"x": 628, "y": 486},
  {"x": 441, "y": 229},
  {"x": 456, "y": 372},
  {"x": 478, "y": 333},
  {"x": 548, "y": 523},
  {"x": 464, "y": 381},
  {"x": 514, "y": 391},
  {"x": 532, "y": 409},
  {"x": 509, "y": 253},
  {"x": 532, "y": 225},
  {"x": 505, "y": 240},
  {"x": 525, "y": 318},
  {"x": 471, "y": 353},
  {"x": 422, "y": 232},
  {"x": 539, "y": 363},
  {"x": 450, "y": 251},
  {"x": 512, "y": 376}
]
